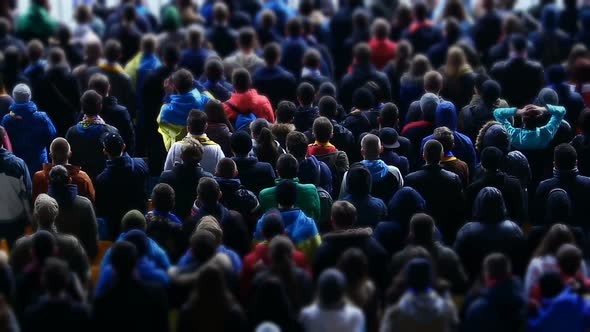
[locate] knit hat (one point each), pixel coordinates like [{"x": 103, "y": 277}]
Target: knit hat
[
  {"x": 331, "y": 286},
  {"x": 21, "y": 93},
  {"x": 491, "y": 158},
  {"x": 419, "y": 274},
  {"x": 45, "y": 208},
  {"x": 497, "y": 136},
  {"x": 267, "y": 327},
  {"x": 132, "y": 219},
  {"x": 428, "y": 104}
]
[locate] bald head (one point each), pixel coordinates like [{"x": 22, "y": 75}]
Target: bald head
[
  {"x": 371, "y": 147},
  {"x": 60, "y": 151}
]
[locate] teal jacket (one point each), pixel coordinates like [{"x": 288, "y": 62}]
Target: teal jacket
[{"x": 531, "y": 139}]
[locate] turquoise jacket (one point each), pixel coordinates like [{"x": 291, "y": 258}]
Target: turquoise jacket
[{"x": 531, "y": 139}]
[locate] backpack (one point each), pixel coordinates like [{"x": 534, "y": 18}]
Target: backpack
[
  {"x": 325, "y": 203},
  {"x": 243, "y": 119}
]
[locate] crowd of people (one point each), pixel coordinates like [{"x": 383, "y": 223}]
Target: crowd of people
[{"x": 250, "y": 166}]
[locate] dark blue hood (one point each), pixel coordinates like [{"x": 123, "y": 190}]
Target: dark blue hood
[
  {"x": 558, "y": 207},
  {"x": 123, "y": 162},
  {"x": 550, "y": 18},
  {"x": 23, "y": 109},
  {"x": 489, "y": 206},
  {"x": 64, "y": 195},
  {"x": 404, "y": 204},
  {"x": 309, "y": 170},
  {"x": 446, "y": 115}
]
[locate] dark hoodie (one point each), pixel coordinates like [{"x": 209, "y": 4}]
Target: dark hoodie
[
  {"x": 403, "y": 205},
  {"x": 499, "y": 307},
  {"x": 304, "y": 117},
  {"x": 236, "y": 197},
  {"x": 571, "y": 100},
  {"x": 276, "y": 83},
  {"x": 551, "y": 44},
  {"x": 120, "y": 188},
  {"x": 184, "y": 178},
  {"x": 254, "y": 174}
]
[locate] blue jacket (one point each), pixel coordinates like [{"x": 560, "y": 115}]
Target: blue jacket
[
  {"x": 293, "y": 50},
  {"x": 194, "y": 59},
  {"x": 154, "y": 253},
  {"x": 283, "y": 12},
  {"x": 236, "y": 261},
  {"x": 304, "y": 117},
  {"x": 531, "y": 139},
  {"x": 308, "y": 173},
  {"x": 446, "y": 116},
  {"x": 30, "y": 132},
  {"x": 391, "y": 158},
  {"x": 177, "y": 107},
  {"x": 146, "y": 270},
  {"x": 276, "y": 83},
  {"x": 567, "y": 311},
  {"x": 370, "y": 209}
]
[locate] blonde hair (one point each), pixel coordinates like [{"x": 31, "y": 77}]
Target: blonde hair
[{"x": 456, "y": 62}]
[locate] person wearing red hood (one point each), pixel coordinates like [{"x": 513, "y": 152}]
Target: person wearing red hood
[
  {"x": 382, "y": 49},
  {"x": 245, "y": 105},
  {"x": 421, "y": 33}
]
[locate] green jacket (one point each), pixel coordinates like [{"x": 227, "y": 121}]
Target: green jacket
[
  {"x": 308, "y": 199},
  {"x": 531, "y": 139},
  {"x": 36, "y": 23}
]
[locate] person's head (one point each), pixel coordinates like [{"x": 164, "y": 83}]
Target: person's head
[
  {"x": 163, "y": 197},
  {"x": 433, "y": 152},
  {"x": 133, "y": 219},
  {"x": 280, "y": 250},
  {"x": 362, "y": 54},
  {"x": 558, "y": 235},
  {"x": 268, "y": 19},
  {"x": 294, "y": 27},
  {"x": 203, "y": 245},
  {"x": 196, "y": 122},
  {"x": 305, "y": 94},
  {"x": 139, "y": 240},
  {"x": 565, "y": 157},
  {"x": 496, "y": 267},
  {"x": 220, "y": 12},
  {"x": 491, "y": 159},
  {"x": 214, "y": 70},
  {"x": 45, "y": 211},
  {"x": 183, "y": 81},
  {"x": 403, "y": 54},
  {"x": 59, "y": 176},
  {"x": 556, "y": 74},
  {"x": 331, "y": 288},
  {"x": 452, "y": 29},
  {"x": 241, "y": 80},
  {"x": 214, "y": 112},
  {"x": 129, "y": 14},
  {"x": 257, "y": 126},
  {"x": 312, "y": 59},
  {"x": 569, "y": 259},
  {"x": 55, "y": 276},
  {"x": 241, "y": 143},
  {"x": 286, "y": 194},
  {"x": 149, "y": 44},
  {"x": 456, "y": 63},
  {"x": 490, "y": 92},
  {"x": 363, "y": 99},
  {"x": 91, "y": 103},
  {"x": 433, "y": 82},
  {"x": 21, "y": 93},
  {"x": 419, "y": 274},
  {"x": 246, "y": 39},
  {"x": 272, "y": 54},
  {"x": 489, "y": 206},
  {"x": 287, "y": 166},
  {"x": 546, "y": 96},
  {"x": 208, "y": 191},
  {"x": 343, "y": 215},
  {"x": 123, "y": 259},
  {"x": 328, "y": 107},
  {"x": 285, "y": 112},
  {"x": 296, "y": 144},
  {"x": 226, "y": 168},
  {"x": 446, "y": 137},
  {"x": 380, "y": 29},
  {"x": 60, "y": 151},
  {"x": 99, "y": 83},
  {"x": 43, "y": 246},
  {"x": 371, "y": 147},
  {"x": 272, "y": 224},
  {"x": 327, "y": 89},
  {"x": 112, "y": 50},
  {"x": 35, "y": 50},
  {"x": 493, "y": 134},
  {"x": 195, "y": 36},
  {"x": 358, "y": 180},
  {"x": 389, "y": 115},
  {"x": 353, "y": 263},
  {"x": 420, "y": 11},
  {"x": 56, "y": 57},
  {"x": 558, "y": 207},
  {"x": 422, "y": 229},
  {"x": 92, "y": 52},
  {"x": 191, "y": 152},
  {"x": 428, "y": 104},
  {"x": 113, "y": 145},
  {"x": 518, "y": 45},
  {"x": 322, "y": 129},
  {"x": 210, "y": 224}
]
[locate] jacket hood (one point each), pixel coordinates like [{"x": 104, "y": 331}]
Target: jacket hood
[
  {"x": 378, "y": 169},
  {"x": 558, "y": 207},
  {"x": 292, "y": 216},
  {"x": 404, "y": 204},
  {"x": 446, "y": 115},
  {"x": 550, "y": 18},
  {"x": 348, "y": 234},
  {"x": 489, "y": 206},
  {"x": 497, "y": 136},
  {"x": 64, "y": 195},
  {"x": 424, "y": 307},
  {"x": 245, "y": 162},
  {"x": 123, "y": 162},
  {"x": 186, "y": 101},
  {"x": 228, "y": 184},
  {"x": 308, "y": 170},
  {"x": 23, "y": 109}
]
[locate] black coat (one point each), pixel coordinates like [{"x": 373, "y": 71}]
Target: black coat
[
  {"x": 117, "y": 116},
  {"x": 255, "y": 175},
  {"x": 223, "y": 39},
  {"x": 582, "y": 145},
  {"x": 359, "y": 76},
  {"x": 121, "y": 88},
  {"x": 64, "y": 315},
  {"x": 487, "y": 30},
  {"x": 520, "y": 80},
  {"x": 443, "y": 192},
  {"x": 184, "y": 180},
  {"x": 276, "y": 83}
]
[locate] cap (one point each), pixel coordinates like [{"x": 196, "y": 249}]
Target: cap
[
  {"x": 389, "y": 138},
  {"x": 21, "y": 93}
]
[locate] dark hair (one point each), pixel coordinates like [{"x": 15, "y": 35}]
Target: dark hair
[
  {"x": 171, "y": 55},
  {"x": 197, "y": 122},
  {"x": 497, "y": 266},
  {"x": 322, "y": 129},
  {"x": 389, "y": 115},
  {"x": 203, "y": 245},
  {"x": 305, "y": 93},
  {"x": 294, "y": 28},
  {"x": 363, "y": 99},
  {"x": 113, "y": 144},
  {"x": 208, "y": 191},
  {"x": 433, "y": 151},
  {"x": 163, "y": 197},
  {"x": 226, "y": 168},
  {"x": 241, "y": 143},
  {"x": 91, "y": 102},
  {"x": 518, "y": 42},
  {"x": 328, "y": 107},
  {"x": 43, "y": 246},
  {"x": 433, "y": 81},
  {"x": 112, "y": 50},
  {"x": 490, "y": 92},
  {"x": 241, "y": 80},
  {"x": 420, "y": 10},
  {"x": 55, "y": 275},
  {"x": 419, "y": 274},
  {"x": 489, "y": 206},
  {"x": 375, "y": 91},
  {"x": 59, "y": 176},
  {"x": 296, "y": 143},
  {"x": 215, "y": 113},
  {"x": 214, "y": 70},
  {"x": 312, "y": 58},
  {"x": 584, "y": 121},
  {"x": 272, "y": 224},
  {"x": 183, "y": 80},
  {"x": 353, "y": 264},
  {"x": 491, "y": 158},
  {"x": 191, "y": 152},
  {"x": 446, "y": 137},
  {"x": 480, "y": 79},
  {"x": 362, "y": 53},
  {"x": 287, "y": 166},
  {"x": 267, "y": 150},
  {"x": 358, "y": 180},
  {"x": 286, "y": 193},
  {"x": 285, "y": 111},
  {"x": 565, "y": 156},
  {"x": 257, "y": 125},
  {"x": 272, "y": 53},
  {"x": 422, "y": 228},
  {"x": 246, "y": 37},
  {"x": 558, "y": 235},
  {"x": 123, "y": 258},
  {"x": 99, "y": 83},
  {"x": 268, "y": 19},
  {"x": 569, "y": 258},
  {"x": 452, "y": 29}
]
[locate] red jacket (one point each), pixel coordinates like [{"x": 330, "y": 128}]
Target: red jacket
[
  {"x": 249, "y": 101},
  {"x": 382, "y": 51},
  {"x": 259, "y": 258}
]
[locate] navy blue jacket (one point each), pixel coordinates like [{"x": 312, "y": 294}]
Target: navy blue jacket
[
  {"x": 86, "y": 143},
  {"x": 304, "y": 117},
  {"x": 254, "y": 174},
  {"x": 276, "y": 83},
  {"x": 293, "y": 50},
  {"x": 118, "y": 116},
  {"x": 194, "y": 59},
  {"x": 359, "y": 76},
  {"x": 370, "y": 209},
  {"x": 308, "y": 173}
]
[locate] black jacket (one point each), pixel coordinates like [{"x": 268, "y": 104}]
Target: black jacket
[
  {"x": 276, "y": 83},
  {"x": 64, "y": 315},
  {"x": 487, "y": 30},
  {"x": 121, "y": 88},
  {"x": 184, "y": 180},
  {"x": 443, "y": 193},
  {"x": 304, "y": 117},
  {"x": 117, "y": 116},
  {"x": 337, "y": 242},
  {"x": 520, "y": 80},
  {"x": 223, "y": 39},
  {"x": 582, "y": 145},
  {"x": 255, "y": 175},
  {"x": 360, "y": 75}
]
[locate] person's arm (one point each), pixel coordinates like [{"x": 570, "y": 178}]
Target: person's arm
[
  {"x": 557, "y": 113},
  {"x": 503, "y": 116},
  {"x": 171, "y": 157}
]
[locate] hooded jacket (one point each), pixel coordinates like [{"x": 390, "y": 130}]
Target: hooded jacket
[
  {"x": 446, "y": 116},
  {"x": 184, "y": 180},
  {"x": 551, "y": 44},
  {"x": 276, "y": 83},
  {"x": 421, "y": 312},
  {"x": 371, "y": 210},
  {"x": 30, "y": 132},
  {"x": 304, "y": 117},
  {"x": 16, "y": 184},
  {"x": 568, "y": 311},
  {"x": 422, "y": 34},
  {"x": 475, "y": 115},
  {"x": 316, "y": 172},
  {"x": 301, "y": 230},
  {"x": 308, "y": 199},
  {"x": 249, "y": 102},
  {"x": 360, "y": 75},
  {"x": 118, "y": 116},
  {"x": 146, "y": 270},
  {"x": 255, "y": 175},
  {"x": 173, "y": 114}
]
